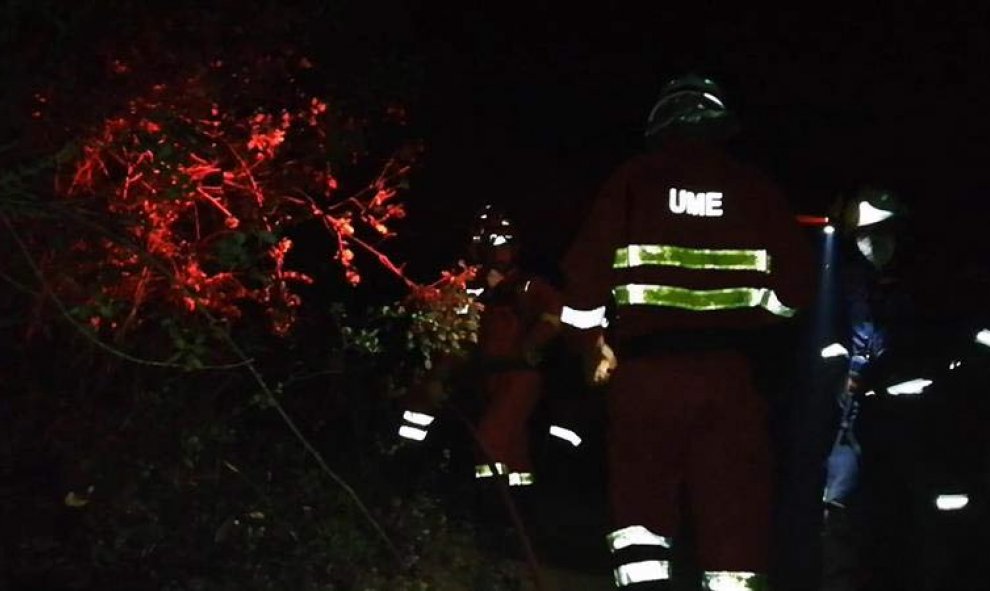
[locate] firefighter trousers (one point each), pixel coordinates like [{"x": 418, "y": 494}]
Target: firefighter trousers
[
  {"x": 503, "y": 430},
  {"x": 691, "y": 427}
]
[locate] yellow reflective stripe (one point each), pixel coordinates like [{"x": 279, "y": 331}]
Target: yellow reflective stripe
[
  {"x": 520, "y": 478},
  {"x": 701, "y": 300},
  {"x": 485, "y": 470},
  {"x": 637, "y": 255}
]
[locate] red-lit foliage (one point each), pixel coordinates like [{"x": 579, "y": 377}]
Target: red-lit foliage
[{"x": 203, "y": 182}]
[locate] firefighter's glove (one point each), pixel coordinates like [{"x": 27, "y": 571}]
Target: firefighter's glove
[{"x": 600, "y": 366}]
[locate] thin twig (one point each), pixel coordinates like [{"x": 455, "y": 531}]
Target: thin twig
[
  {"x": 256, "y": 375},
  {"x": 79, "y": 327},
  {"x": 273, "y": 400}
]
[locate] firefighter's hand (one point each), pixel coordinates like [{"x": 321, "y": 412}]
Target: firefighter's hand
[{"x": 602, "y": 365}]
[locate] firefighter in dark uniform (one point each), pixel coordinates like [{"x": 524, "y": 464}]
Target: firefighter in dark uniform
[
  {"x": 877, "y": 314},
  {"x": 699, "y": 253}
]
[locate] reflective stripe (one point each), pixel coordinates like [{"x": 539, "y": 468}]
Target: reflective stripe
[
  {"x": 871, "y": 215},
  {"x": 701, "y": 300},
  {"x": 639, "y": 572},
  {"x": 412, "y": 433},
  {"x": 635, "y": 535},
  {"x": 909, "y": 388},
  {"x": 636, "y": 255},
  {"x": 520, "y": 478},
  {"x": 951, "y": 502},
  {"x": 485, "y": 470},
  {"x": 983, "y": 337},
  {"x": 730, "y": 580},
  {"x": 475, "y": 291},
  {"x": 834, "y": 350},
  {"x": 565, "y": 434},
  {"x": 583, "y": 319},
  {"x": 417, "y": 418}
]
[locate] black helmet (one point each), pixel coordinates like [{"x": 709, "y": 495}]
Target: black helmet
[
  {"x": 690, "y": 103},
  {"x": 493, "y": 232}
]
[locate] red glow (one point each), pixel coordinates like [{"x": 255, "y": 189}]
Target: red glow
[
  {"x": 812, "y": 220},
  {"x": 199, "y": 188}
]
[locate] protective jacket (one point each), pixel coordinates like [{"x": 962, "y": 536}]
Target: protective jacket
[
  {"x": 685, "y": 230},
  {"x": 694, "y": 249}
]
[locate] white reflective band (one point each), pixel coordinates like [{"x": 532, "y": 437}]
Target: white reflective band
[
  {"x": 526, "y": 286},
  {"x": 417, "y": 418},
  {"x": 834, "y": 350},
  {"x": 871, "y": 215},
  {"x": 499, "y": 240},
  {"x": 565, "y": 434},
  {"x": 728, "y": 580},
  {"x": 412, "y": 433},
  {"x": 909, "y": 388},
  {"x": 475, "y": 291},
  {"x": 485, "y": 470},
  {"x": 583, "y": 319},
  {"x": 639, "y": 572},
  {"x": 520, "y": 478},
  {"x": 951, "y": 502},
  {"x": 713, "y": 99},
  {"x": 635, "y": 535},
  {"x": 871, "y": 393},
  {"x": 983, "y": 337}
]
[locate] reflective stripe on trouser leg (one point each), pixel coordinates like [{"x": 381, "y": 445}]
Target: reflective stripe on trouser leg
[
  {"x": 485, "y": 470},
  {"x": 641, "y": 572},
  {"x": 520, "y": 478},
  {"x": 732, "y": 581},
  {"x": 414, "y": 433},
  {"x": 622, "y": 541},
  {"x": 635, "y": 535}
]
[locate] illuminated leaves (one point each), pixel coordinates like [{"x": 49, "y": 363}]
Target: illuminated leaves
[{"x": 206, "y": 179}]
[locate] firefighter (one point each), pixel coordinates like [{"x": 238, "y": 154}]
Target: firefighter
[
  {"x": 521, "y": 316},
  {"x": 876, "y": 312},
  {"x": 699, "y": 253}
]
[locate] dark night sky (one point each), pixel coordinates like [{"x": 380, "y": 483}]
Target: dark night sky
[{"x": 531, "y": 106}]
